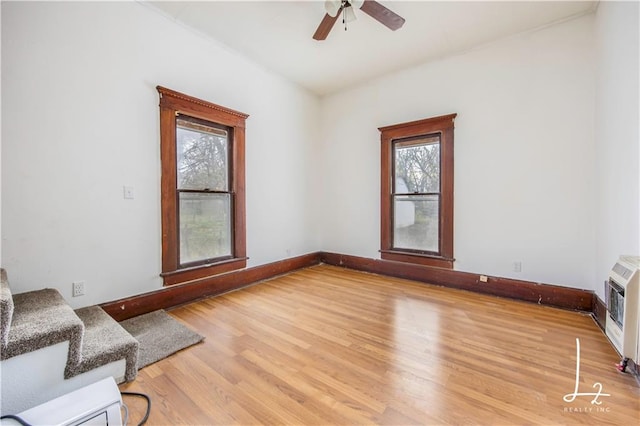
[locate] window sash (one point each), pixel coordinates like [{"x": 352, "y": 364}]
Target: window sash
[
  {"x": 416, "y": 226},
  {"x": 417, "y": 180},
  {"x": 203, "y": 155},
  {"x": 204, "y": 238}
]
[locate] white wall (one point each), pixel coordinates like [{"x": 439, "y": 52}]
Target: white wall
[
  {"x": 0, "y": 147},
  {"x": 524, "y": 154},
  {"x": 617, "y": 124},
  {"x": 532, "y": 182},
  {"x": 80, "y": 120}
]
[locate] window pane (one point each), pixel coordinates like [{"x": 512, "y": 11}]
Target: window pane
[
  {"x": 416, "y": 222},
  {"x": 202, "y": 155},
  {"x": 417, "y": 165},
  {"x": 205, "y": 226}
]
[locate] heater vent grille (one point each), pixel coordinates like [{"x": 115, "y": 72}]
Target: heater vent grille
[
  {"x": 622, "y": 271},
  {"x": 622, "y": 297}
]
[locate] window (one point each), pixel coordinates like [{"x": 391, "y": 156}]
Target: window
[
  {"x": 417, "y": 192},
  {"x": 203, "y": 202}
]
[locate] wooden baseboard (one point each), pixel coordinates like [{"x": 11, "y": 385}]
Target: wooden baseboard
[
  {"x": 599, "y": 312},
  {"x": 182, "y": 293},
  {"x": 544, "y": 294}
]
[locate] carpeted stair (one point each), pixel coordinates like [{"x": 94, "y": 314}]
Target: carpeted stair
[
  {"x": 104, "y": 341},
  {"x": 37, "y": 319}
]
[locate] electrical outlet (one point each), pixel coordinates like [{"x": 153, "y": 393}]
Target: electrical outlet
[
  {"x": 78, "y": 288},
  {"x": 517, "y": 266}
]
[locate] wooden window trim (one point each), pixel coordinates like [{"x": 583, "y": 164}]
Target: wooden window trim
[
  {"x": 444, "y": 126},
  {"x": 173, "y": 103}
]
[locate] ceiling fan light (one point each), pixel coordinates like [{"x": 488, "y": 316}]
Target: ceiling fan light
[
  {"x": 357, "y": 3},
  {"x": 332, "y": 7},
  {"x": 349, "y": 14}
]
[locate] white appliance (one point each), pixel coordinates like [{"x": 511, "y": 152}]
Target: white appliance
[
  {"x": 96, "y": 404},
  {"x": 622, "y": 301}
]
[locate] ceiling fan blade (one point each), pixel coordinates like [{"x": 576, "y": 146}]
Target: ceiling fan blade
[
  {"x": 325, "y": 26},
  {"x": 383, "y": 15}
]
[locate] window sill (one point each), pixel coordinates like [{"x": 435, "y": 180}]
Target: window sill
[
  {"x": 416, "y": 258},
  {"x": 184, "y": 275}
]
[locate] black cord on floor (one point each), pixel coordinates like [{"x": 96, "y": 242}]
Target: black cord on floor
[
  {"x": 16, "y": 418},
  {"x": 140, "y": 395}
]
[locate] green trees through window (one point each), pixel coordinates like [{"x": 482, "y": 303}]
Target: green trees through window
[
  {"x": 416, "y": 194},
  {"x": 203, "y": 186}
]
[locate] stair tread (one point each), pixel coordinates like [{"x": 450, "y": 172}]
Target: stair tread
[
  {"x": 43, "y": 318},
  {"x": 104, "y": 341}
]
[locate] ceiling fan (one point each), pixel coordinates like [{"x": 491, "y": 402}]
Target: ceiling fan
[{"x": 372, "y": 8}]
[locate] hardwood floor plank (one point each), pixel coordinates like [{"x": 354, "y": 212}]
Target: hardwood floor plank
[{"x": 327, "y": 345}]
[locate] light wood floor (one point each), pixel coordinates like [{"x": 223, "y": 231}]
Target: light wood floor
[{"x": 327, "y": 345}]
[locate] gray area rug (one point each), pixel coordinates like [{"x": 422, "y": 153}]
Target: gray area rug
[{"x": 159, "y": 336}]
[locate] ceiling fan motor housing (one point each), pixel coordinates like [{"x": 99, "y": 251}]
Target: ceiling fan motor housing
[{"x": 332, "y": 7}]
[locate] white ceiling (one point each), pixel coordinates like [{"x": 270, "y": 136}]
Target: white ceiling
[{"x": 277, "y": 34}]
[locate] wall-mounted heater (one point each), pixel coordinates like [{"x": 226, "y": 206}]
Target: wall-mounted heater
[{"x": 622, "y": 299}]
